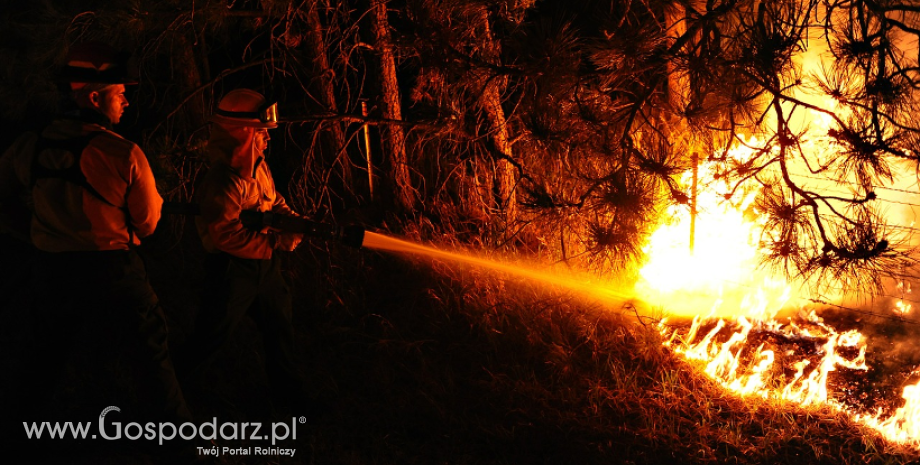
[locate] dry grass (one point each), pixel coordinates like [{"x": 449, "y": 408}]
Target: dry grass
[
  {"x": 459, "y": 366},
  {"x": 462, "y": 366}
]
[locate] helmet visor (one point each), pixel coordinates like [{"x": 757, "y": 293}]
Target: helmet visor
[{"x": 267, "y": 114}]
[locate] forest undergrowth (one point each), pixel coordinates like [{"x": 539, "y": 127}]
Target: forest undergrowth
[{"x": 425, "y": 362}]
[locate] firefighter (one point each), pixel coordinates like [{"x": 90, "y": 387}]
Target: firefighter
[
  {"x": 93, "y": 198},
  {"x": 242, "y": 268}
]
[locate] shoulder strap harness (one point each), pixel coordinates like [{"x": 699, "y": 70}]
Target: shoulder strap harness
[{"x": 72, "y": 173}]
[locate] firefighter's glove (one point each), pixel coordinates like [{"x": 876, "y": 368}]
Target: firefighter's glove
[{"x": 287, "y": 241}]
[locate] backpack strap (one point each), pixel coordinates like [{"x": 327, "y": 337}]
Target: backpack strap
[{"x": 73, "y": 173}]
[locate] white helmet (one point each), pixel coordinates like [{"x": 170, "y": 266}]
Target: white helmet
[{"x": 245, "y": 107}]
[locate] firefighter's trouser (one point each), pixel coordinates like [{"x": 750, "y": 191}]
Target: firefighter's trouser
[
  {"x": 236, "y": 287},
  {"x": 100, "y": 303}
]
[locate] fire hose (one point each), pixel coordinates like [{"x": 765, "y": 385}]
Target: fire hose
[{"x": 350, "y": 235}]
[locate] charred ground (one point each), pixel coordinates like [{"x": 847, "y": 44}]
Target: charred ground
[
  {"x": 533, "y": 127},
  {"x": 426, "y": 362}
]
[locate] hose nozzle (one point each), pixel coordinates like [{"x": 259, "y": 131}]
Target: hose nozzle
[{"x": 352, "y": 236}]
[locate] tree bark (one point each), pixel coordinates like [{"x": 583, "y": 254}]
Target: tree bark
[
  {"x": 190, "y": 75},
  {"x": 675, "y": 21},
  {"x": 476, "y": 182},
  {"x": 336, "y": 156},
  {"x": 491, "y": 102},
  {"x": 394, "y": 138}
]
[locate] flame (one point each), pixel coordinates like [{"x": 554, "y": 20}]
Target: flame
[
  {"x": 902, "y": 308},
  {"x": 735, "y": 304},
  {"x": 904, "y": 425},
  {"x": 721, "y": 271},
  {"x": 760, "y": 375},
  {"x": 723, "y": 263}
]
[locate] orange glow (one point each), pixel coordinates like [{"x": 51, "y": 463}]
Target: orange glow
[
  {"x": 904, "y": 425},
  {"x": 731, "y": 300},
  {"x": 721, "y": 275},
  {"x": 584, "y": 285},
  {"x": 902, "y": 308}
]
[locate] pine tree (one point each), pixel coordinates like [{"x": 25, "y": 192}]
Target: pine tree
[
  {"x": 394, "y": 137},
  {"x": 578, "y": 119}
]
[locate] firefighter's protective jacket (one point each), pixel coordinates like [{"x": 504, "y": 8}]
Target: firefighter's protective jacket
[
  {"x": 239, "y": 179},
  {"x": 120, "y": 207}
]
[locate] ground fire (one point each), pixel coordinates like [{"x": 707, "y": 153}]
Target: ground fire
[
  {"x": 735, "y": 333},
  {"x": 478, "y": 231}
]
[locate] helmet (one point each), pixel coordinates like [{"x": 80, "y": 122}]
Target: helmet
[
  {"x": 96, "y": 62},
  {"x": 245, "y": 107}
]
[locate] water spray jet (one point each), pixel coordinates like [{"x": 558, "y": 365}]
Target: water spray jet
[
  {"x": 531, "y": 272},
  {"x": 358, "y": 237}
]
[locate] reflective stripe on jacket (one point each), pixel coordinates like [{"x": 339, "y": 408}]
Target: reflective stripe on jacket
[{"x": 66, "y": 217}]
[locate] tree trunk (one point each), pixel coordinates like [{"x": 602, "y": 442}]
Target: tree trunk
[
  {"x": 335, "y": 156},
  {"x": 190, "y": 77},
  {"x": 683, "y": 88},
  {"x": 675, "y": 21},
  {"x": 491, "y": 102},
  {"x": 476, "y": 182},
  {"x": 336, "y": 175},
  {"x": 394, "y": 138}
]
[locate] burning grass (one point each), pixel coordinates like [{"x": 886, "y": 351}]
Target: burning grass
[
  {"x": 427, "y": 362},
  {"x": 504, "y": 371}
]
